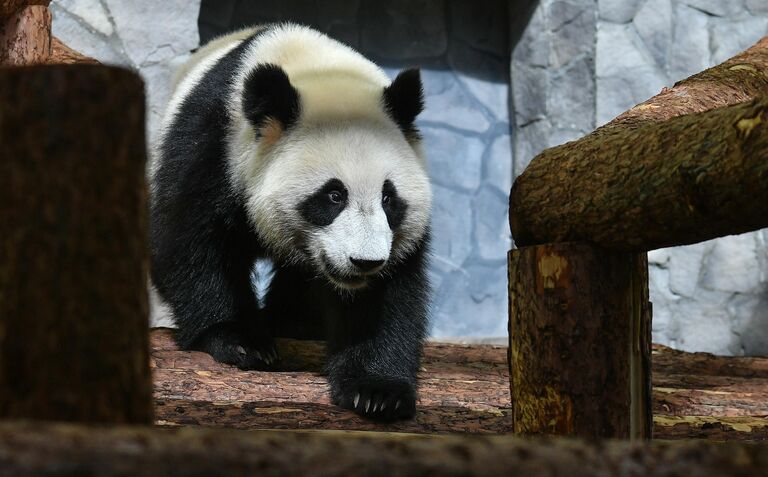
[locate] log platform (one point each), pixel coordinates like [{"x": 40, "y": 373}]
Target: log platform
[{"x": 464, "y": 389}]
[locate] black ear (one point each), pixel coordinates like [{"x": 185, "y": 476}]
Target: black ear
[
  {"x": 268, "y": 93},
  {"x": 404, "y": 99}
]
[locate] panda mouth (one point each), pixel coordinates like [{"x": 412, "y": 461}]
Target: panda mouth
[{"x": 339, "y": 279}]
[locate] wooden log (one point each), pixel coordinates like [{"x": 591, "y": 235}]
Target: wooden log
[
  {"x": 695, "y": 394},
  {"x": 579, "y": 341},
  {"x": 740, "y": 79},
  {"x": 9, "y": 7},
  {"x": 62, "y": 54},
  {"x": 25, "y": 36},
  {"x": 463, "y": 389},
  {"x": 60, "y": 449},
  {"x": 73, "y": 247},
  {"x": 652, "y": 178}
]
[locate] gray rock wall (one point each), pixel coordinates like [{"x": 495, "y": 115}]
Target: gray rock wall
[
  {"x": 711, "y": 296},
  {"x": 148, "y": 36}
]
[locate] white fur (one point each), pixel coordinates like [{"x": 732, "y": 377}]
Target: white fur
[{"x": 344, "y": 133}]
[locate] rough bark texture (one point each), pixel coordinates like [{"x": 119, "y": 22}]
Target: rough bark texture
[
  {"x": 740, "y": 79},
  {"x": 462, "y": 389},
  {"x": 65, "y": 450},
  {"x": 62, "y": 54},
  {"x": 652, "y": 178},
  {"x": 9, "y": 7},
  {"x": 73, "y": 246},
  {"x": 578, "y": 365},
  {"x": 25, "y": 36},
  {"x": 696, "y": 394}
]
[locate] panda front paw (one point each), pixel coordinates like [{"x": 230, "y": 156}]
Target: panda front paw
[
  {"x": 378, "y": 397},
  {"x": 239, "y": 344}
]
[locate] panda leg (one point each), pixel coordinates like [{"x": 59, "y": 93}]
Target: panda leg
[
  {"x": 208, "y": 286},
  {"x": 375, "y": 345}
]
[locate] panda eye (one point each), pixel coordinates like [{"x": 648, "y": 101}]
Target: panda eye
[
  {"x": 385, "y": 199},
  {"x": 335, "y": 196}
]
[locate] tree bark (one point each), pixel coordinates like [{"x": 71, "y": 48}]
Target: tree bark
[
  {"x": 578, "y": 326},
  {"x": 9, "y": 7},
  {"x": 62, "y": 54},
  {"x": 73, "y": 245},
  {"x": 59, "y": 450},
  {"x": 25, "y": 36},
  {"x": 652, "y": 178}
]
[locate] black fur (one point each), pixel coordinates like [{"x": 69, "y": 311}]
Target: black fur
[
  {"x": 404, "y": 100},
  {"x": 318, "y": 209},
  {"x": 202, "y": 247},
  {"x": 203, "y": 250},
  {"x": 374, "y": 335},
  {"x": 394, "y": 206},
  {"x": 268, "y": 93}
]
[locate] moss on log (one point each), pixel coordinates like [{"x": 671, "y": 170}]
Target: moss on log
[
  {"x": 653, "y": 178},
  {"x": 73, "y": 245},
  {"x": 59, "y": 450}
]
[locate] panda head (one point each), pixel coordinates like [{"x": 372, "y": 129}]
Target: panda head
[{"x": 333, "y": 170}]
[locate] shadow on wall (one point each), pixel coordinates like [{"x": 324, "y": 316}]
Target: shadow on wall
[{"x": 463, "y": 49}]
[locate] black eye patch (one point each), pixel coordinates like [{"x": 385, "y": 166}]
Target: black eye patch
[
  {"x": 325, "y": 204},
  {"x": 394, "y": 205}
]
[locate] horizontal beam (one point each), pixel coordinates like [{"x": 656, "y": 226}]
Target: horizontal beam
[
  {"x": 671, "y": 171},
  {"x": 686, "y": 180},
  {"x": 34, "y": 448}
]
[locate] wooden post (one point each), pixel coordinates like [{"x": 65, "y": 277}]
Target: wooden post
[
  {"x": 25, "y": 32},
  {"x": 73, "y": 245},
  {"x": 579, "y": 341}
]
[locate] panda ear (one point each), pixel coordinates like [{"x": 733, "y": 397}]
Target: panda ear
[
  {"x": 404, "y": 99},
  {"x": 269, "y": 94}
]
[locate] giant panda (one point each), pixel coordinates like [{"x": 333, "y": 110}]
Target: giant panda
[{"x": 281, "y": 143}]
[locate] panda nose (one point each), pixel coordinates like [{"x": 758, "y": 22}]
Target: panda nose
[{"x": 366, "y": 265}]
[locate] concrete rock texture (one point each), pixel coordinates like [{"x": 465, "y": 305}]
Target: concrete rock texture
[{"x": 147, "y": 36}]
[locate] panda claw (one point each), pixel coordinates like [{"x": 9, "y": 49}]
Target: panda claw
[
  {"x": 240, "y": 350},
  {"x": 383, "y": 405},
  {"x": 367, "y": 405},
  {"x": 397, "y": 404},
  {"x": 357, "y": 400}
]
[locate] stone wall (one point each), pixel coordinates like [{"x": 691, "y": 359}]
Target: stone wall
[
  {"x": 149, "y": 36},
  {"x": 711, "y": 296}
]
